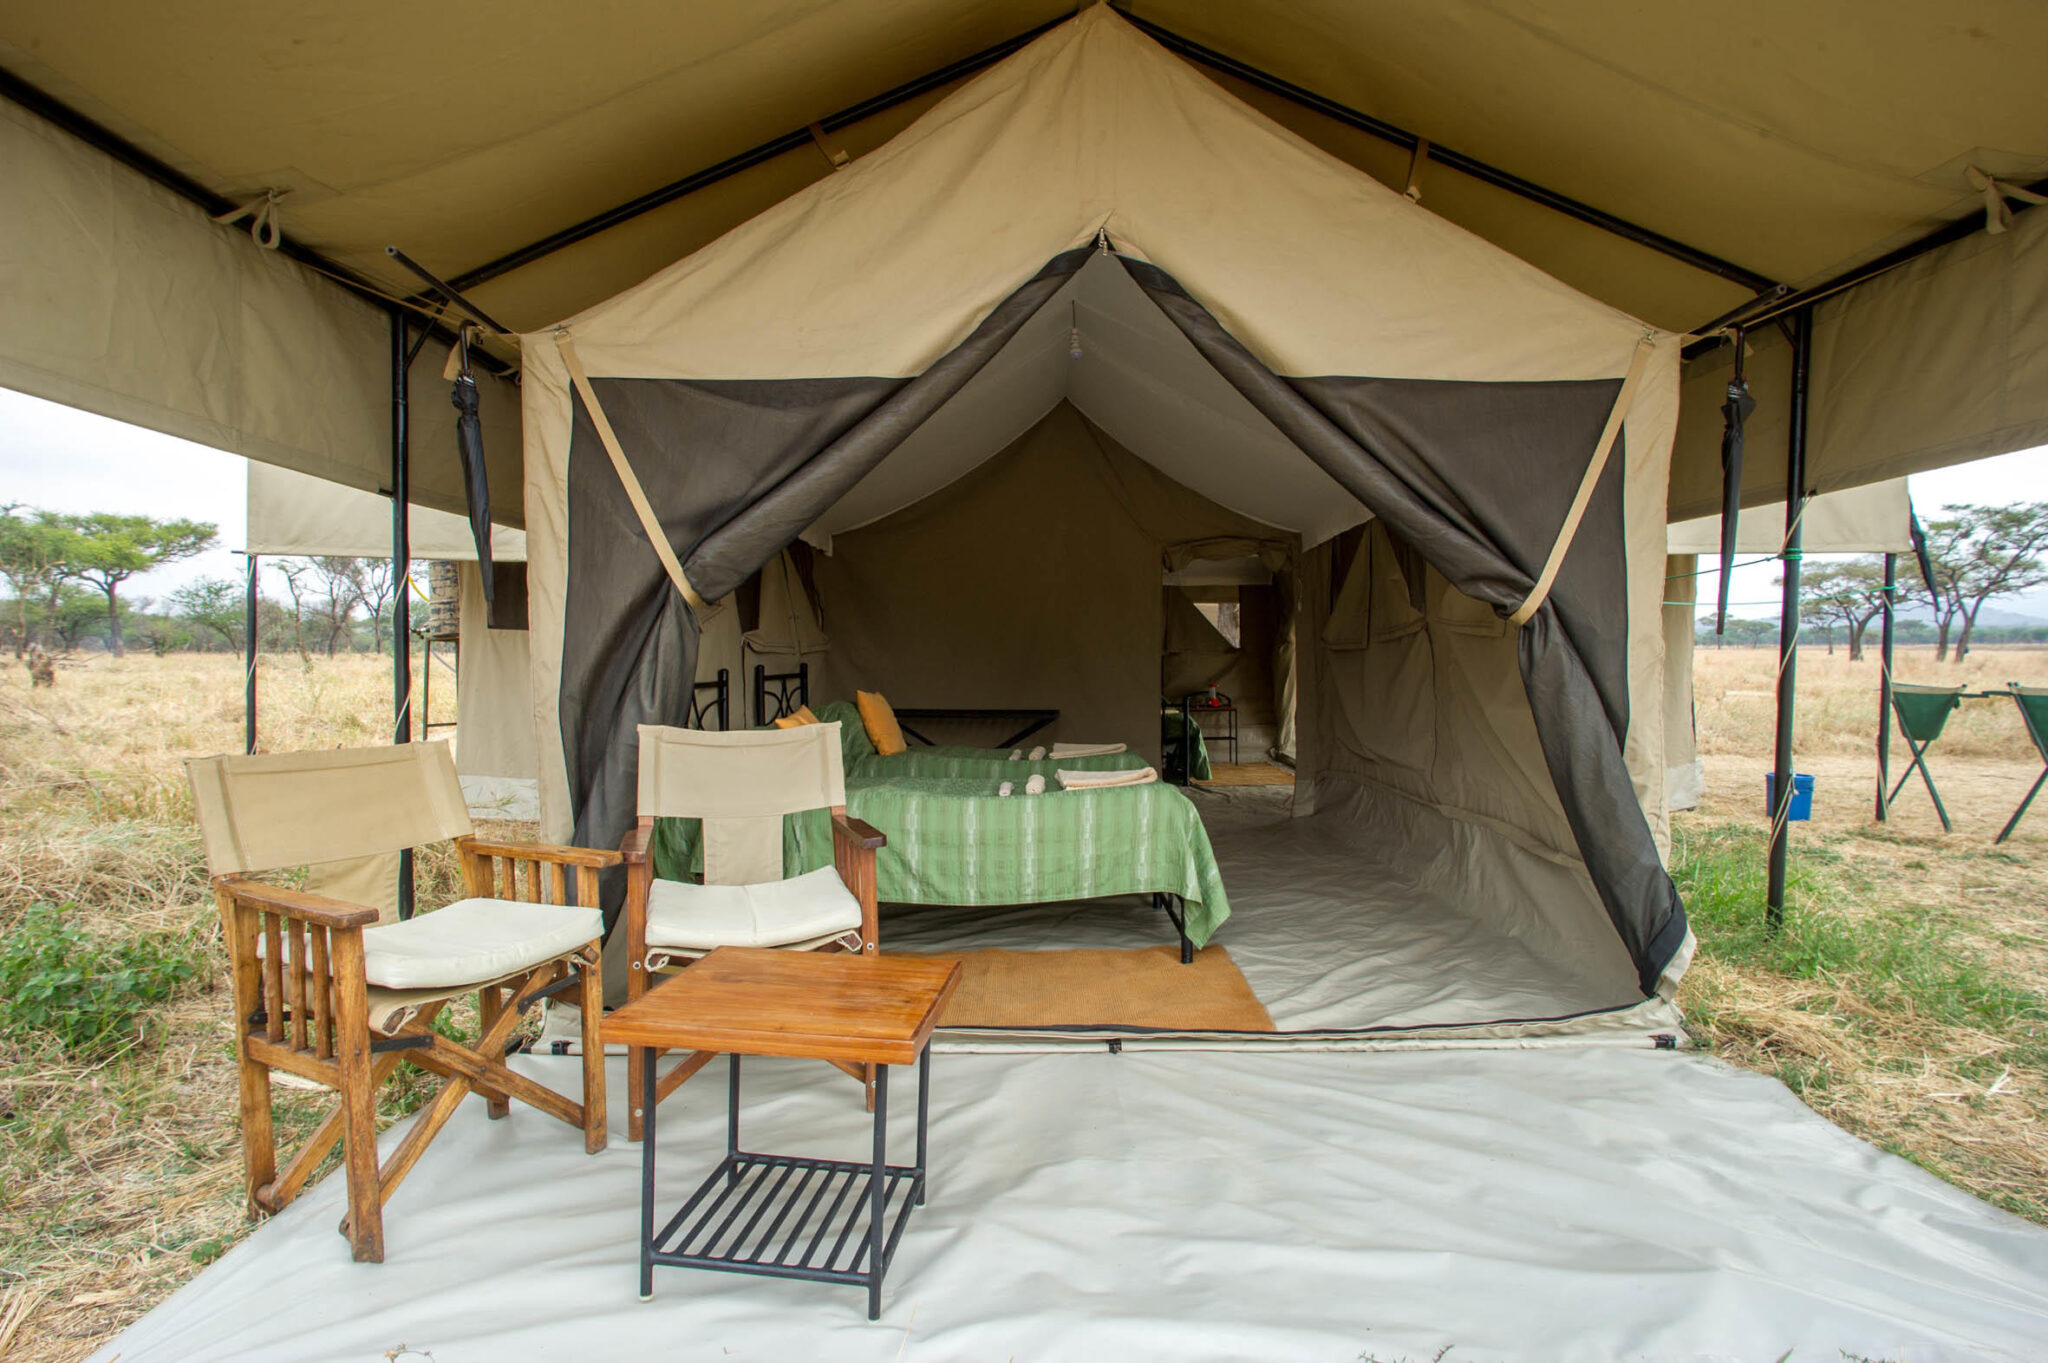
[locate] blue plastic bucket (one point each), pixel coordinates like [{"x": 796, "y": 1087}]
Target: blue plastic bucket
[{"x": 1802, "y": 797}]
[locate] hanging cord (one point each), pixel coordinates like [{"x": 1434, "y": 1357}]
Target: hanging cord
[{"x": 266, "y": 226}]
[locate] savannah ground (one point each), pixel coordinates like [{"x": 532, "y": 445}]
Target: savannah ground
[{"x": 1906, "y": 998}]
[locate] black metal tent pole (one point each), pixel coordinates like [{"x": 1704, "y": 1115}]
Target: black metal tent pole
[
  {"x": 1788, "y": 617},
  {"x": 1884, "y": 688},
  {"x": 249, "y": 679},
  {"x": 401, "y": 556}
]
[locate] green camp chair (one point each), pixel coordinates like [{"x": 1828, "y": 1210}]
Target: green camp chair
[
  {"x": 2033, "y": 703},
  {"x": 1922, "y": 711}
]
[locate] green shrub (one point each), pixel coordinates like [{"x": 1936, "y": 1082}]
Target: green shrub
[{"x": 85, "y": 993}]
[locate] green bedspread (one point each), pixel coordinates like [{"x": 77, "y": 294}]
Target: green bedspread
[
  {"x": 948, "y": 761},
  {"x": 953, "y": 840}
]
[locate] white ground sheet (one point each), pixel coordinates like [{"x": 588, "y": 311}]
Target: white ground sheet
[
  {"x": 1328, "y": 936},
  {"x": 1590, "y": 1203}
]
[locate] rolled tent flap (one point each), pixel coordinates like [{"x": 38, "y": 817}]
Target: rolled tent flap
[
  {"x": 792, "y": 447},
  {"x": 1478, "y": 477}
]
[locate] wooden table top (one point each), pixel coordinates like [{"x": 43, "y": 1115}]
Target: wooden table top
[{"x": 877, "y": 1010}]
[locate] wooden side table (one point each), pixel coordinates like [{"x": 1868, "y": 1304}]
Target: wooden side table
[{"x": 785, "y": 1216}]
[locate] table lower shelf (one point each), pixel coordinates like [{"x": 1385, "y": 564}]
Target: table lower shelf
[{"x": 774, "y": 1214}]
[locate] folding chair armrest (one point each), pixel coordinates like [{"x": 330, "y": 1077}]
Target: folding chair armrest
[
  {"x": 857, "y": 833},
  {"x": 634, "y": 846},
  {"x": 595, "y": 857},
  {"x": 853, "y": 855},
  {"x": 333, "y": 914}
]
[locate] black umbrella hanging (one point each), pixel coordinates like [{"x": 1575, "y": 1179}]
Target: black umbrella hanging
[
  {"x": 1734, "y": 412},
  {"x": 469, "y": 445}
]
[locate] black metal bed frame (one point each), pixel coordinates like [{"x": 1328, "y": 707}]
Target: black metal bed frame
[
  {"x": 719, "y": 699},
  {"x": 1176, "y": 913},
  {"x": 1033, "y": 719},
  {"x": 874, "y": 1185},
  {"x": 790, "y": 691}
]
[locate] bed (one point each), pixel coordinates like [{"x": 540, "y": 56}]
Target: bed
[{"x": 954, "y": 840}]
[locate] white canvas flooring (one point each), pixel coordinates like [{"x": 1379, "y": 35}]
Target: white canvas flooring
[
  {"x": 1586, "y": 1203},
  {"x": 1328, "y": 937}
]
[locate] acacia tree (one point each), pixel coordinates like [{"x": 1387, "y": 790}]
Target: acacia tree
[
  {"x": 1946, "y": 539},
  {"x": 298, "y": 585},
  {"x": 340, "y": 580},
  {"x": 2004, "y": 551},
  {"x": 36, "y": 550},
  {"x": 1849, "y": 594},
  {"x": 111, "y": 548},
  {"x": 214, "y": 604}
]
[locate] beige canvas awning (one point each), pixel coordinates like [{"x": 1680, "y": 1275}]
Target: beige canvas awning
[
  {"x": 1793, "y": 142},
  {"x": 1874, "y": 519},
  {"x": 294, "y": 513}
]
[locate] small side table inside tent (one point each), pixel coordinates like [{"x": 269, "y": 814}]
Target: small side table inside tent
[{"x": 787, "y": 1216}]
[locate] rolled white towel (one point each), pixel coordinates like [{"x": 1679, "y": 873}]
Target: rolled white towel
[
  {"x": 1036, "y": 785},
  {"x": 1006, "y": 788},
  {"x": 1065, "y": 750},
  {"x": 1038, "y": 754},
  {"x": 1016, "y": 753},
  {"x": 1096, "y": 780}
]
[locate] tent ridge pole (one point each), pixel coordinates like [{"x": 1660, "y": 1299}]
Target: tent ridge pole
[
  {"x": 1788, "y": 617},
  {"x": 1458, "y": 161}
]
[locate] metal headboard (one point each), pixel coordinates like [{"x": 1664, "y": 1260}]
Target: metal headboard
[
  {"x": 711, "y": 697},
  {"x": 780, "y": 693}
]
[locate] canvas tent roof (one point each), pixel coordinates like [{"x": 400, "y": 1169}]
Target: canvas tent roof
[{"x": 1792, "y": 143}]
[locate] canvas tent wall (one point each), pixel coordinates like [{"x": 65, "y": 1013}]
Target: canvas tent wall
[
  {"x": 1034, "y": 581},
  {"x": 294, "y": 514},
  {"x": 813, "y": 348}
]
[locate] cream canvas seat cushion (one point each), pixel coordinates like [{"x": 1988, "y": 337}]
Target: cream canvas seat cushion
[
  {"x": 804, "y": 908},
  {"x": 474, "y": 941}
]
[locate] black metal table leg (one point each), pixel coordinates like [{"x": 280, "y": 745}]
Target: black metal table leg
[
  {"x": 647, "y": 1087},
  {"x": 878, "y": 1194},
  {"x": 732, "y": 1118},
  {"x": 924, "y": 1096}
]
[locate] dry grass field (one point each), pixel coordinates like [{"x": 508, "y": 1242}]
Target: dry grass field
[{"x": 1907, "y": 998}]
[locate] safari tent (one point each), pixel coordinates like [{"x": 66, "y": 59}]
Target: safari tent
[
  {"x": 1039, "y": 265},
  {"x": 960, "y": 351}
]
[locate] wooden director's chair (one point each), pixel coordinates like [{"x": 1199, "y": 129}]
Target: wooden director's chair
[
  {"x": 330, "y": 985},
  {"x": 741, "y": 785}
]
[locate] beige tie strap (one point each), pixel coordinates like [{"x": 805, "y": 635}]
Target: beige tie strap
[
  {"x": 635, "y": 494},
  {"x": 1570, "y": 529}
]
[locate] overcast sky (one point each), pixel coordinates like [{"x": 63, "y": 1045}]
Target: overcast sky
[{"x": 69, "y": 460}]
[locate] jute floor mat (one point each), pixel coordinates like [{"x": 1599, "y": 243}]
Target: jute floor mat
[{"x": 1139, "y": 987}]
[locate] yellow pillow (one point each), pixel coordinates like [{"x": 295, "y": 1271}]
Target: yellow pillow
[
  {"x": 802, "y": 717},
  {"x": 880, "y": 721}
]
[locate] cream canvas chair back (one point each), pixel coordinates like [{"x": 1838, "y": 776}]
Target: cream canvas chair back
[
  {"x": 740, "y": 783},
  {"x": 344, "y": 814}
]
